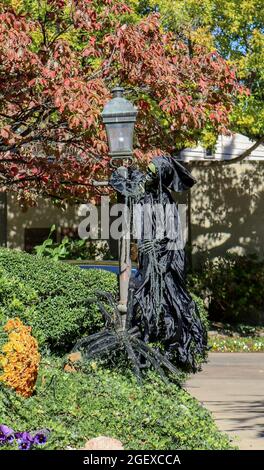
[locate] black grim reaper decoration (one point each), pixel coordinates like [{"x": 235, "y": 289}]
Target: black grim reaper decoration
[{"x": 161, "y": 312}]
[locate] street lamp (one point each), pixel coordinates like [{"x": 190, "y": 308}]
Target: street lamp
[{"x": 119, "y": 116}]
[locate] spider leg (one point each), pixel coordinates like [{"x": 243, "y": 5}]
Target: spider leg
[
  {"x": 133, "y": 359},
  {"x": 147, "y": 353}
]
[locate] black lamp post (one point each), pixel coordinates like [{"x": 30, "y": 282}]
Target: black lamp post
[{"x": 119, "y": 116}]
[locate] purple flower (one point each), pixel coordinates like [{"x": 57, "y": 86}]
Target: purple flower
[
  {"x": 6, "y": 434},
  {"x": 41, "y": 437},
  {"x": 24, "y": 445},
  {"x": 25, "y": 440},
  {"x": 2, "y": 437}
]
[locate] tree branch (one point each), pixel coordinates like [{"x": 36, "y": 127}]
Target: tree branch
[
  {"x": 246, "y": 153},
  {"x": 237, "y": 159}
]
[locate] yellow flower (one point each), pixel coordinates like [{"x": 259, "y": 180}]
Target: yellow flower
[
  {"x": 8, "y": 347},
  {"x": 20, "y": 361}
]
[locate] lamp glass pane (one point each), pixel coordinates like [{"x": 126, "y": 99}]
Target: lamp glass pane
[{"x": 120, "y": 137}]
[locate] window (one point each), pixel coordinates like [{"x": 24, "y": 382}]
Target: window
[
  {"x": 36, "y": 236},
  {"x": 209, "y": 152}
]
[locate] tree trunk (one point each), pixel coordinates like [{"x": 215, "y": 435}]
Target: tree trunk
[
  {"x": 189, "y": 241},
  {"x": 3, "y": 219}
]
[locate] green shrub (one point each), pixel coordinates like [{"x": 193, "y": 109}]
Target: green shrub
[
  {"x": 16, "y": 299},
  {"x": 233, "y": 288},
  {"x": 202, "y": 310},
  {"x": 76, "y": 407},
  {"x": 59, "y": 292},
  {"x": 52, "y": 298}
]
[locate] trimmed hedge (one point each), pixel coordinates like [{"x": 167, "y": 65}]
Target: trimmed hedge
[
  {"x": 52, "y": 297},
  {"x": 78, "y": 406},
  {"x": 16, "y": 298}
]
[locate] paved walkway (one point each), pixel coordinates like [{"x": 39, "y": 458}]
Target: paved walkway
[{"x": 231, "y": 386}]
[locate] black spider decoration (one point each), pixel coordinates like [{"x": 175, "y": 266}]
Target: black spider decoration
[{"x": 115, "y": 336}]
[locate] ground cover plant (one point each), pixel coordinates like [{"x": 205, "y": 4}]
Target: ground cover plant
[
  {"x": 224, "y": 337},
  {"x": 87, "y": 400},
  {"x": 78, "y": 406}
]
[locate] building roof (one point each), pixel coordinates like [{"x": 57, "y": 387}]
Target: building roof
[{"x": 227, "y": 147}]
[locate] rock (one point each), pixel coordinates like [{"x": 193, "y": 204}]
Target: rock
[
  {"x": 75, "y": 357},
  {"x": 68, "y": 368},
  {"x": 103, "y": 443},
  {"x": 72, "y": 361},
  {"x": 212, "y": 333}
]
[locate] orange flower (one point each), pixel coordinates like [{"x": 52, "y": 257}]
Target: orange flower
[{"x": 20, "y": 358}]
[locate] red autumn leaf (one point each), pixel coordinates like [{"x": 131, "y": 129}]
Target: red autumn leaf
[
  {"x": 5, "y": 133},
  {"x": 53, "y": 97},
  {"x": 14, "y": 170}
]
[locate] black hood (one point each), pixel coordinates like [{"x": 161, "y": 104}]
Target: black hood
[{"x": 172, "y": 174}]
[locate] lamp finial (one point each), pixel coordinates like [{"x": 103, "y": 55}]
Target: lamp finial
[{"x": 118, "y": 92}]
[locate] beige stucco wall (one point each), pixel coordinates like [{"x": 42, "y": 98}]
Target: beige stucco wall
[
  {"x": 42, "y": 216},
  {"x": 227, "y": 212}
]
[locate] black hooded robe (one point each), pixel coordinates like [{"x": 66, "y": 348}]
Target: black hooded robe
[{"x": 160, "y": 305}]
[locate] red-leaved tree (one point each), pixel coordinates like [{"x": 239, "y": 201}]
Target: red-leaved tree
[{"x": 59, "y": 60}]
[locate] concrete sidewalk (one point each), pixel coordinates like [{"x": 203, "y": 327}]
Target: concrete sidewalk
[{"x": 231, "y": 386}]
